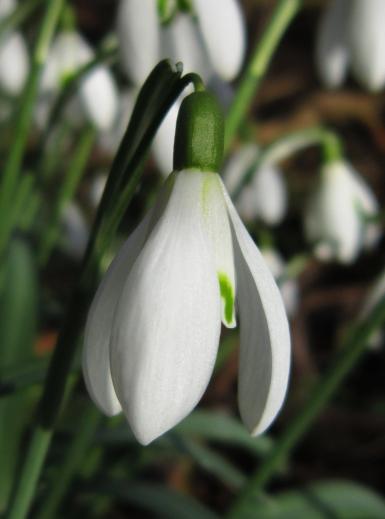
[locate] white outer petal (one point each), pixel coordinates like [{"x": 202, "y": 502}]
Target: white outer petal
[
  {"x": 96, "y": 350},
  {"x": 166, "y": 331},
  {"x": 138, "y": 34},
  {"x": 163, "y": 144},
  {"x": 270, "y": 194},
  {"x": 182, "y": 41},
  {"x": 99, "y": 96},
  {"x": 332, "y": 50},
  {"x": 14, "y": 63},
  {"x": 265, "y": 338},
  {"x": 367, "y": 42},
  {"x": 223, "y": 30},
  {"x": 97, "y": 336}
]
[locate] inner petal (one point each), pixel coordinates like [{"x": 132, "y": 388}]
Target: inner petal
[{"x": 218, "y": 230}]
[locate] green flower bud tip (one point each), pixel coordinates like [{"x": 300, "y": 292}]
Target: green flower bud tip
[{"x": 199, "y": 136}]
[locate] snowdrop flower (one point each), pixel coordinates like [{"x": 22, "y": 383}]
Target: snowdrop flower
[
  {"x": 265, "y": 196},
  {"x": 153, "y": 328},
  {"x": 287, "y": 286},
  {"x": 335, "y": 217},
  {"x": 212, "y": 41},
  {"x": 109, "y": 140},
  {"x": 96, "y": 189},
  {"x": 68, "y": 53},
  {"x": 14, "y": 59},
  {"x": 351, "y": 34},
  {"x": 75, "y": 231}
]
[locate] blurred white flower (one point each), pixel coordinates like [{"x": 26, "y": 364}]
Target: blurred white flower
[
  {"x": 96, "y": 189},
  {"x": 336, "y": 217},
  {"x": 75, "y": 231},
  {"x": 97, "y": 95},
  {"x": 287, "y": 286},
  {"x": 153, "y": 329},
  {"x": 351, "y": 33},
  {"x": 211, "y": 42},
  {"x": 14, "y": 59},
  {"x": 110, "y": 139},
  {"x": 265, "y": 196}
]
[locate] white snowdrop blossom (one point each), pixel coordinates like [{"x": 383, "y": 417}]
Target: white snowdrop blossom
[
  {"x": 209, "y": 41},
  {"x": 152, "y": 332},
  {"x": 288, "y": 286},
  {"x": 75, "y": 231},
  {"x": 351, "y": 34},
  {"x": 265, "y": 196},
  {"x": 97, "y": 97},
  {"x": 14, "y": 59},
  {"x": 110, "y": 139},
  {"x": 336, "y": 219}
]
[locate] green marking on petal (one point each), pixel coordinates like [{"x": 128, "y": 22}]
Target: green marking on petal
[{"x": 227, "y": 294}]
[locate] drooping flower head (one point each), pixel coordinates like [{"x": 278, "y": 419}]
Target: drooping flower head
[
  {"x": 153, "y": 329},
  {"x": 208, "y": 39},
  {"x": 14, "y": 59},
  {"x": 351, "y": 33},
  {"x": 265, "y": 196},
  {"x": 70, "y": 52},
  {"x": 337, "y": 217}
]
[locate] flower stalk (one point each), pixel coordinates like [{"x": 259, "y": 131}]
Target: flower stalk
[
  {"x": 260, "y": 60},
  {"x": 288, "y": 145},
  {"x": 158, "y": 93}
]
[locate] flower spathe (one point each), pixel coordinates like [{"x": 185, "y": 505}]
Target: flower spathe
[
  {"x": 336, "y": 217},
  {"x": 153, "y": 329}
]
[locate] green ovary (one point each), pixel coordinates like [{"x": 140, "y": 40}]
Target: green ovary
[{"x": 227, "y": 295}]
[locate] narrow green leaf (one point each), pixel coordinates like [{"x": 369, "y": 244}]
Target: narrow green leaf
[
  {"x": 322, "y": 500},
  {"x": 158, "y": 500},
  {"x": 18, "y": 323},
  {"x": 212, "y": 462}
]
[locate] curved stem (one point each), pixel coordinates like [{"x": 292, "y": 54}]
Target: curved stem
[
  {"x": 353, "y": 349},
  {"x": 30, "y": 475},
  {"x": 159, "y": 92},
  {"x": 259, "y": 62},
  {"x": 287, "y": 146}
]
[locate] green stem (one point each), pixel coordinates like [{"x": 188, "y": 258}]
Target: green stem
[
  {"x": 66, "y": 193},
  {"x": 257, "y": 67},
  {"x": 353, "y": 349},
  {"x": 11, "y": 171},
  {"x": 29, "y": 477},
  {"x": 72, "y": 462},
  {"x": 160, "y": 91},
  {"x": 287, "y": 146}
]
